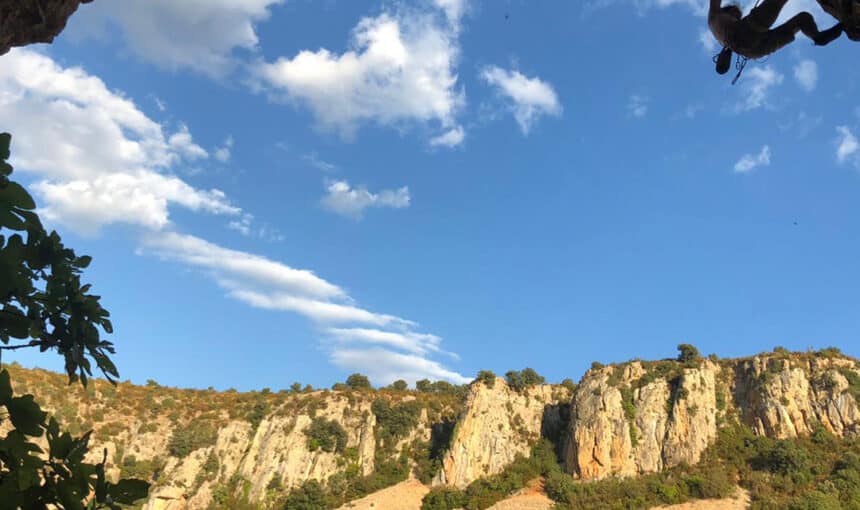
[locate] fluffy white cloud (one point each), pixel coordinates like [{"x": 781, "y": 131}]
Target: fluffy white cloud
[
  {"x": 638, "y": 105},
  {"x": 847, "y": 146},
  {"x": 528, "y": 98},
  {"x": 757, "y": 82},
  {"x": 106, "y": 160},
  {"x": 202, "y": 35},
  {"x": 806, "y": 74},
  {"x": 345, "y": 200},
  {"x": 384, "y": 367},
  {"x": 400, "y": 69},
  {"x": 267, "y": 284},
  {"x": 451, "y": 138},
  {"x": 750, "y": 162}
]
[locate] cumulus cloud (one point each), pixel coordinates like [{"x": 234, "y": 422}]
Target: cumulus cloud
[
  {"x": 107, "y": 162},
  {"x": 757, "y": 83},
  {"x": 202, "y": 35},
  {"x": 99, "y": 160},
  {"x": 399, "y": 70},
  {"x": 806, "y": 74},
  {"x": 847, "y": 146},
  {"x": 357, "y": 333},
  {"x": 527, "y": 98},
  {"x": 750, "y": 162},
  {"x": 345, "y": 200}
]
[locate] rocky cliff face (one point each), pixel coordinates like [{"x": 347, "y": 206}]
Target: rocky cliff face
[
  {"x": 498, "y": 424},
  {"x": 641, "y": 417},
  {"x": 621, "y": 420}
]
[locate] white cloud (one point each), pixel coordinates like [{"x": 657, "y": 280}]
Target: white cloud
[
  {"x": 400, "y": 69},
  {"x": 757, "y": 82},
  {"x": 320, "y": 164},
  {"x": 750, "y": 162},
  {"x": 451, "y": 138},
  {"x": 638, "y": 105},
  {"x": 384, "y": 367},
  {"x": 345, "y": 200},
  {"x": 222, "y": 153},
  {"x": 101, "y": 146},
  {"x": 202, "y": 35},
  {"x": 270, "y": 285},
  {"x": 806, "y": 74},
  {"x": 99, "y": 160},
  {"x": 416, "y": 343},
  {"x": 529, "y": 98},
  {"x": 847, "y": 145},
  {"x": 706, "y": 39},
  {"x": 233, "y": 267}
]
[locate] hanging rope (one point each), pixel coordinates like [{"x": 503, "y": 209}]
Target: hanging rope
[{"x": 740, "y": 65}]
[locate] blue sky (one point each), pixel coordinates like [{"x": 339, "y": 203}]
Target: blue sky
[{"x": 278, "y": 191}]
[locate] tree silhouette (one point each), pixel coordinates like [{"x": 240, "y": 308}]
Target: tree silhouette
[{"x": 44, "y": 305}]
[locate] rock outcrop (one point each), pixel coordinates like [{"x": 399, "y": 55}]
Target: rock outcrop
[
  {"x": 23, "y": 23},
  {"x": 642, "y": 417},
  {"x": 497, "y": 425}
]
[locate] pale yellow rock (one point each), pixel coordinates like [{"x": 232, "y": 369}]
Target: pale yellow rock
[{"x": 498, "y": 424}]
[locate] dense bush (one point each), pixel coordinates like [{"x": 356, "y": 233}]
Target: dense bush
[
  {"x": 394, "y": 422},
  {"x": 193, "y": 436},
  {"x": 328, "y": 435},
  {"x": 358, "y": 382},
  {"x": 519, "y": 380},
  {"x": 688, "y": 354},
  {"x": 487, "y": 377}
]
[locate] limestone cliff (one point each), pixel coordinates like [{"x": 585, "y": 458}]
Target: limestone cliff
[
  {"x": 640, "y": 417},
  {"x": 200, "y": 447},
  {"x": 497, "y": 425}
]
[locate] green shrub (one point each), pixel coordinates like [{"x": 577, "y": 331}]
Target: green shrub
[
  {"x": 358, "y": 382},
  {"x": 519, "y": 380},
  {"x": 193, "y": 436},
  {"x": 487, "y": 377},
  {"x": 327, "y": 435}
]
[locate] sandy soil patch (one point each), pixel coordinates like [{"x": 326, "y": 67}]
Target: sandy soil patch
[{"x": 403, "y": 496}]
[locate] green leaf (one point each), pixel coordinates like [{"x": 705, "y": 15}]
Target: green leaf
[
  {"x": 82, "y": 262},
  {"x": 26, "y": 415},
  {"x": 5, "y": 142},
  {"x": 16, "y": 196},
  {"x": 5, "y": 387},
  {"x": 128, "y": 491}
]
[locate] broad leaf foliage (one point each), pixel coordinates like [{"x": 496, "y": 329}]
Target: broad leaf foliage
[{"x": 44, "y": 305}]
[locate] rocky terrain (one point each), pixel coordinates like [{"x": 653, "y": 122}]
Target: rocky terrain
[{"x": 207, "y": 449}]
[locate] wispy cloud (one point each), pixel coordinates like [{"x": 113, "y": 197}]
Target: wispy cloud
[
  {"x": 343, "y": 199},
  {"x": 318, "y": 163},
  {"x": 806, "y": 74},
  {"x": 756, "y": 85},
  {"x": 750, "y": 162},
  {"x": 527, "y": 98},
  {"x": 451, "y": 138},
  {"x": 223, "y": 153},
  {"x": 637, "y": 105},
  {"x": 847, "y": 146},
  {"x": 108, "y": 163}
]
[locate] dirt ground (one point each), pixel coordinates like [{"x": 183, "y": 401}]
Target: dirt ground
[
  {"x": 403, "y": 496},
  {"x": 407, "y": 496}
]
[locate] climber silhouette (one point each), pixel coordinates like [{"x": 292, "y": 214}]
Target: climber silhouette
[
  {"x": 847, "y": 12},
  {"x": 751, "y": 36}
]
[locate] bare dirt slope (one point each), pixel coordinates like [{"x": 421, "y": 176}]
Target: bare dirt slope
[
  {"x": 739, "y": 502},
  {"x": 403, "y": 496}
]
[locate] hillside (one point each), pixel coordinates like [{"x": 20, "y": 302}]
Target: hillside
[{"x": 629, "y": 435}]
